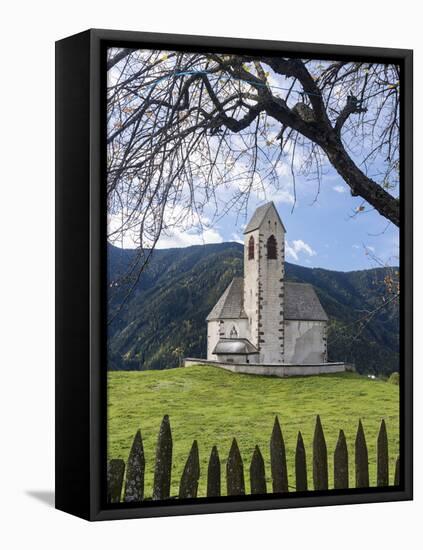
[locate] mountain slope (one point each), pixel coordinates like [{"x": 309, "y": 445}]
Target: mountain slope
[{"x": 163, "y": 318}]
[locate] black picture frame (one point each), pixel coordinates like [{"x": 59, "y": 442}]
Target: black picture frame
[{"x": 81, "y": 270}]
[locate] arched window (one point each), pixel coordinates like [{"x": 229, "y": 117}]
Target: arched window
[
  {"x": 271, "y": 248},
  {"x": 251, "y": 248},
  {"x": 233, "y": 333}
]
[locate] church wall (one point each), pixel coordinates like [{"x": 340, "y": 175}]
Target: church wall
[
  {"x": 241, "y": 327},
  {"x": 305, "y": 342},
  {"x": 213, "y": 328},
  {"x": 222, "y": 329},
  {"x": 238, "y": 358},
  {"x": 271, "y": 291},
  {"x": 251, "y": 273}
]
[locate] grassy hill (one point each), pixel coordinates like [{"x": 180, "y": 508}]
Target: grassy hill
[
  {"x": 169, "y": 304},
  {"x": 213, "y": 406}
]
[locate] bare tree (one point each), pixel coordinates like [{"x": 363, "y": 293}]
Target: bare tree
[{"x": 185, "y": 127}]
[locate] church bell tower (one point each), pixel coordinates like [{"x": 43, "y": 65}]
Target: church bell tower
[{"x": 264, "y": 271}]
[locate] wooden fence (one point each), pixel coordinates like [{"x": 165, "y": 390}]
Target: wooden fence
[{"x": 126, "y": 482}]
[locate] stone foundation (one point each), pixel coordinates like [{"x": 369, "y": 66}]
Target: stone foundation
[{"x": 279, "y": 370}]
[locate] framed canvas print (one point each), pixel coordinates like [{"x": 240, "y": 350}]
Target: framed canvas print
[{"x": 234, "y": 274}]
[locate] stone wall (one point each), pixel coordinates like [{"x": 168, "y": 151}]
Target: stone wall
[
  {"x": 234, "y": 358},
  {"x": 281, "y": 371}
]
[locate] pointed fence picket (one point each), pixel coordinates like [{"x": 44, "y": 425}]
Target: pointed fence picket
[
  {"x": 235, "y": 484},
  {"x": 301, "y": 483},
  {"x": 125, "y": 482},
  {"x": 340, "y": 463},
  {"x": 257, "y": 473},
  {"x": 213, "y": 474},
  {"x": 361, "y": 458}
]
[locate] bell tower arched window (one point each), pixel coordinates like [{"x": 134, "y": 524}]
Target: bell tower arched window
[
  {"x": 271, "y": 248},
  {"x": 251, "y": 248},
  {"x": 233, "y": 333}
]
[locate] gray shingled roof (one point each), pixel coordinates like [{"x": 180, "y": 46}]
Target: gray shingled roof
[
  {"x": 259, "y": 215},
  {"x": 301, "y": 303},
  {"x": 237, "y": 346},
  {"x": 230, "y": 304}
]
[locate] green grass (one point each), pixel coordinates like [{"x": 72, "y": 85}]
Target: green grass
[{"x": 213, "y": 406}]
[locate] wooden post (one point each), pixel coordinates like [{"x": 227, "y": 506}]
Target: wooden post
[
  {"x": 300, "y": 465},
  {"x": 320, "y": 458},
  {"x": 115, "y": 471},
  {"x": 361, "y": 459},
  {"x": 382, "y": 456},
  {"x": 397, "y": 471},
  {"x": 340, "y": 463},
  {"x": 213, "y": 474},
  {"x": 278, "y": 459},
  {"x": 257, "y": 473},
  {"x": 135, "y": 469},
  {"x": 235, "y": 484},
  {"x": 188, "y": 487},
  {"x": 163, "y": 466}
]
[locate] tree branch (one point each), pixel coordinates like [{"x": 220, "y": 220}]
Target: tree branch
[
  {"x": 118, "y": 57},
  {"x": 353, "y": 106}
]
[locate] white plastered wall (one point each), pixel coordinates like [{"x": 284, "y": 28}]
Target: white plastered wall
[{"x": 305, "y": 342}]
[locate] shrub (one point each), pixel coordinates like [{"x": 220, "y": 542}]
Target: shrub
[{"x": 394, "y": 379}]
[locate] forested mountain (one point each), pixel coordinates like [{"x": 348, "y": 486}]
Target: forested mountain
[{"x": 163, "y": 318}]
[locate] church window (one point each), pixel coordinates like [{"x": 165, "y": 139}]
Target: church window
[
  {"x": 233, "y": 333},
  {"x": 251, "y": 248},
  {"x": 271, "y": 248}
]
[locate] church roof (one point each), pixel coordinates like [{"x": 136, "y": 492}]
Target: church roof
[
  {"x": 230, "y": 346},
  {"x": 301, "y": 303},
  {"x": 230, "y": 304},
  {"x": 259, "y": 215}
]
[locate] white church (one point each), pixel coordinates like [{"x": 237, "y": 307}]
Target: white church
[{"x": 261, "y": 319}]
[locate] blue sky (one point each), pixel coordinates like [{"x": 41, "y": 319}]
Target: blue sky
[
  {"x": 322, "y": 231},
  {"x": 335, "y": 238}
]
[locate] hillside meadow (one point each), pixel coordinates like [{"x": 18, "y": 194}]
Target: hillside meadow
[{"x": 213, "y": 406}]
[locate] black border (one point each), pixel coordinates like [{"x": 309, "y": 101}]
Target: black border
[{"x": 81, "y": 65}]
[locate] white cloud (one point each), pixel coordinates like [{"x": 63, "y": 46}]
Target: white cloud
[
  {"x": 178, "y": 238},
  {"x": 180, "y": 230},
  {"x": 339, "y": 189},
  {"x": 297, "y": 247},
  {"x": 279, "y": 195},
  {"x": 187, "y": 230},
  {"x": 121, "y": 236},
  {"x": 282, "y": 196},
  {"x": 236, "y": 238}
]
